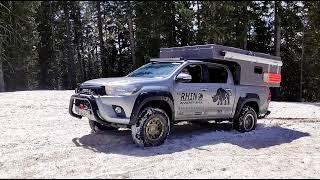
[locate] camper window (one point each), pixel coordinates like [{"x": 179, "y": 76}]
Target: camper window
[{"x": 258, "y": 70}]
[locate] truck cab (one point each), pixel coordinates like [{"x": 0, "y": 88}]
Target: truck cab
[{"x": 210, "y": 94}]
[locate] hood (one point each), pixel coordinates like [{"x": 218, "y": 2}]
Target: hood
[{"x": 120, "y": 81}]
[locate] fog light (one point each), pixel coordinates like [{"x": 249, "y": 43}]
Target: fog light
[{"x": 118, "y": 110}]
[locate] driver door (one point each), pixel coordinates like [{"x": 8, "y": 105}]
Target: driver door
[{"x": 188, "y": 96}]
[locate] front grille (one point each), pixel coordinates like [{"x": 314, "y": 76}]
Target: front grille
[{"x": 90, "y": 90}]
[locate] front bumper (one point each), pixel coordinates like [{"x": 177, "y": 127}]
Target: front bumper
[{"x": 100, "y": 108}]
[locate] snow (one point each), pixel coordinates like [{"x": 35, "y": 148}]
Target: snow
[{"x": 39, "y": 139}]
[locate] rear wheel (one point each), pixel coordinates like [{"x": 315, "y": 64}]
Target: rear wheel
[
  {"x": 152, "y": 128},
  {"x": 247, "y": 120},
  {"x": 95, "y": 127}
]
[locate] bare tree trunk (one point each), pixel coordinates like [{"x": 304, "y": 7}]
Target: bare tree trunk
[
  {"x": 173, "y": 34},
  {"x": 1, "y": 73},
  {"x": 96, "y": 60},
  {"x": 277, "y": 39},
  {"x": 245, "y": 28},
  {"x": 245, "y": 37},
  {"x": 57, "y": 77},
  {"x": 103, "y": 54},
  {"x": 90, "y": 67},
  {"x": 46, "y": 46},
  {"x": 301, "y": 61},
  {"x": 78, "y": 38},
  {"x": 83, "y": 62},
  {"x": 198, "y": 22},
  {"x": 71, "y": 64},
  {"x": 120, "y": 63},
  {"x": 132, "y": 40}
]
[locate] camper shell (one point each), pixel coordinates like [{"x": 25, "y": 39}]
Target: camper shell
[{"x": 247, "y": 67}]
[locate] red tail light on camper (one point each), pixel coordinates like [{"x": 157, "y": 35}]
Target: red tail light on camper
[{"x": 272, "y": 78}]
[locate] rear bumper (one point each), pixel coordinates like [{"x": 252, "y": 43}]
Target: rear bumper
[{"x": 98, "y": 111}]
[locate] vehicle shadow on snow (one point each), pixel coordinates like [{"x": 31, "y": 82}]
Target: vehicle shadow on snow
[{"x": 189, "y": 136}]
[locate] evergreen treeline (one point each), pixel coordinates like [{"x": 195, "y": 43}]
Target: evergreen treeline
[{"x": 57, "y": 44}]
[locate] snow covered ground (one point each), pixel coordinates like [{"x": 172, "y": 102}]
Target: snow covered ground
[{"x": 39, "y": 139}]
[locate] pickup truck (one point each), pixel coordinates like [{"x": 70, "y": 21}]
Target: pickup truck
[{"x": 154, "y": 97}]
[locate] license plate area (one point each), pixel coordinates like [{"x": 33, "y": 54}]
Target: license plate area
[
  {"x": 83, "y": 107},
  {"x": 82, "y": 104},
  {"x": 84, "y": 112}
]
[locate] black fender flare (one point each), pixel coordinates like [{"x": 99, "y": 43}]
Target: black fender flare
[
  {"x": 250, "y": 97},
  {"x": 146, "y": 97}
]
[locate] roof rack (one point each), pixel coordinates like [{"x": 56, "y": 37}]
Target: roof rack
[
  {"x": 167, "y": 59},
  {"x": 218, "y": 52}
]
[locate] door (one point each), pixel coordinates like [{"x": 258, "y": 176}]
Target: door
[
  {"x": 220, "y": 95},
  {"x": 188, "y": 96}
]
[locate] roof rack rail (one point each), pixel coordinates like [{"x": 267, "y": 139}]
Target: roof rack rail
[{"x": 168, "y": 59}]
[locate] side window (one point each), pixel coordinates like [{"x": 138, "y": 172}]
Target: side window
[
  {"x": 258, "y": 70},
  {"x": 217, "y": 74},
  {"x": 195, "y": 71}
]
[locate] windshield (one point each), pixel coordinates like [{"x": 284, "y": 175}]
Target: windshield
[{"x": 154, "y": 70}]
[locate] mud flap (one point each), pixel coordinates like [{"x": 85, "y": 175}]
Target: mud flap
[{"x": 265, "y": 115}]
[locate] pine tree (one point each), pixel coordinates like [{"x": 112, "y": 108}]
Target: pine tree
[
  {"x": 17, "y": 27},
  {"x": 277, "y": 26},
  {"x": 103, "y": 54},
  {"x": 129, "y": 13},
  {"x": 45, "y": 45}
]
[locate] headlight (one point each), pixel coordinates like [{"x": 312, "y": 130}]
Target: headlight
[{"x": 121, "y": 90}]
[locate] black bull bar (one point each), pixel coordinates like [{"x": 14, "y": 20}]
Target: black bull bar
[{"x": 93, "y": 106}]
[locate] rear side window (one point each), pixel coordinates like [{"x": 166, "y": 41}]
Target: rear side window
[
  {"x": 217, "y": 74},
  {"x": 258, "y": 70}
]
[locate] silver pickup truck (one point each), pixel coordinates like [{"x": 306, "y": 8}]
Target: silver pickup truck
[{"x": 154, "y": 97}]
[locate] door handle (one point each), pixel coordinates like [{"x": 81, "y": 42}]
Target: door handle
[
  {"x": 204, "y": 89},
  {"x": 228, "y": 89}
]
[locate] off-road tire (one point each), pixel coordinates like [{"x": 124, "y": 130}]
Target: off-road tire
[
  {"x": 141, "y": 130},
  {"x": 246, "y": 121}
]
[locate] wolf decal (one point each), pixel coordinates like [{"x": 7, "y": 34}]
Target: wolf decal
[{"x": 222, "y": 96}]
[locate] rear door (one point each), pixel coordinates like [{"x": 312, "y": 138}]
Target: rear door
[{"x": 220, "y": 95}]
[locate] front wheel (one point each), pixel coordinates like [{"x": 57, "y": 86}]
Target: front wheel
[
  {"x": 152, "y": 128},
  {"x": 247, "y": 120}
]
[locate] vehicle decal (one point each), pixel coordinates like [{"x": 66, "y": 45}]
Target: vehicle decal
[
  {"x": 191, "y": 98},
  {"x": 222, "y": 96}
]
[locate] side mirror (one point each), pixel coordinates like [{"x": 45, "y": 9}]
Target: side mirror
[{"x": 183, "y": 77}]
